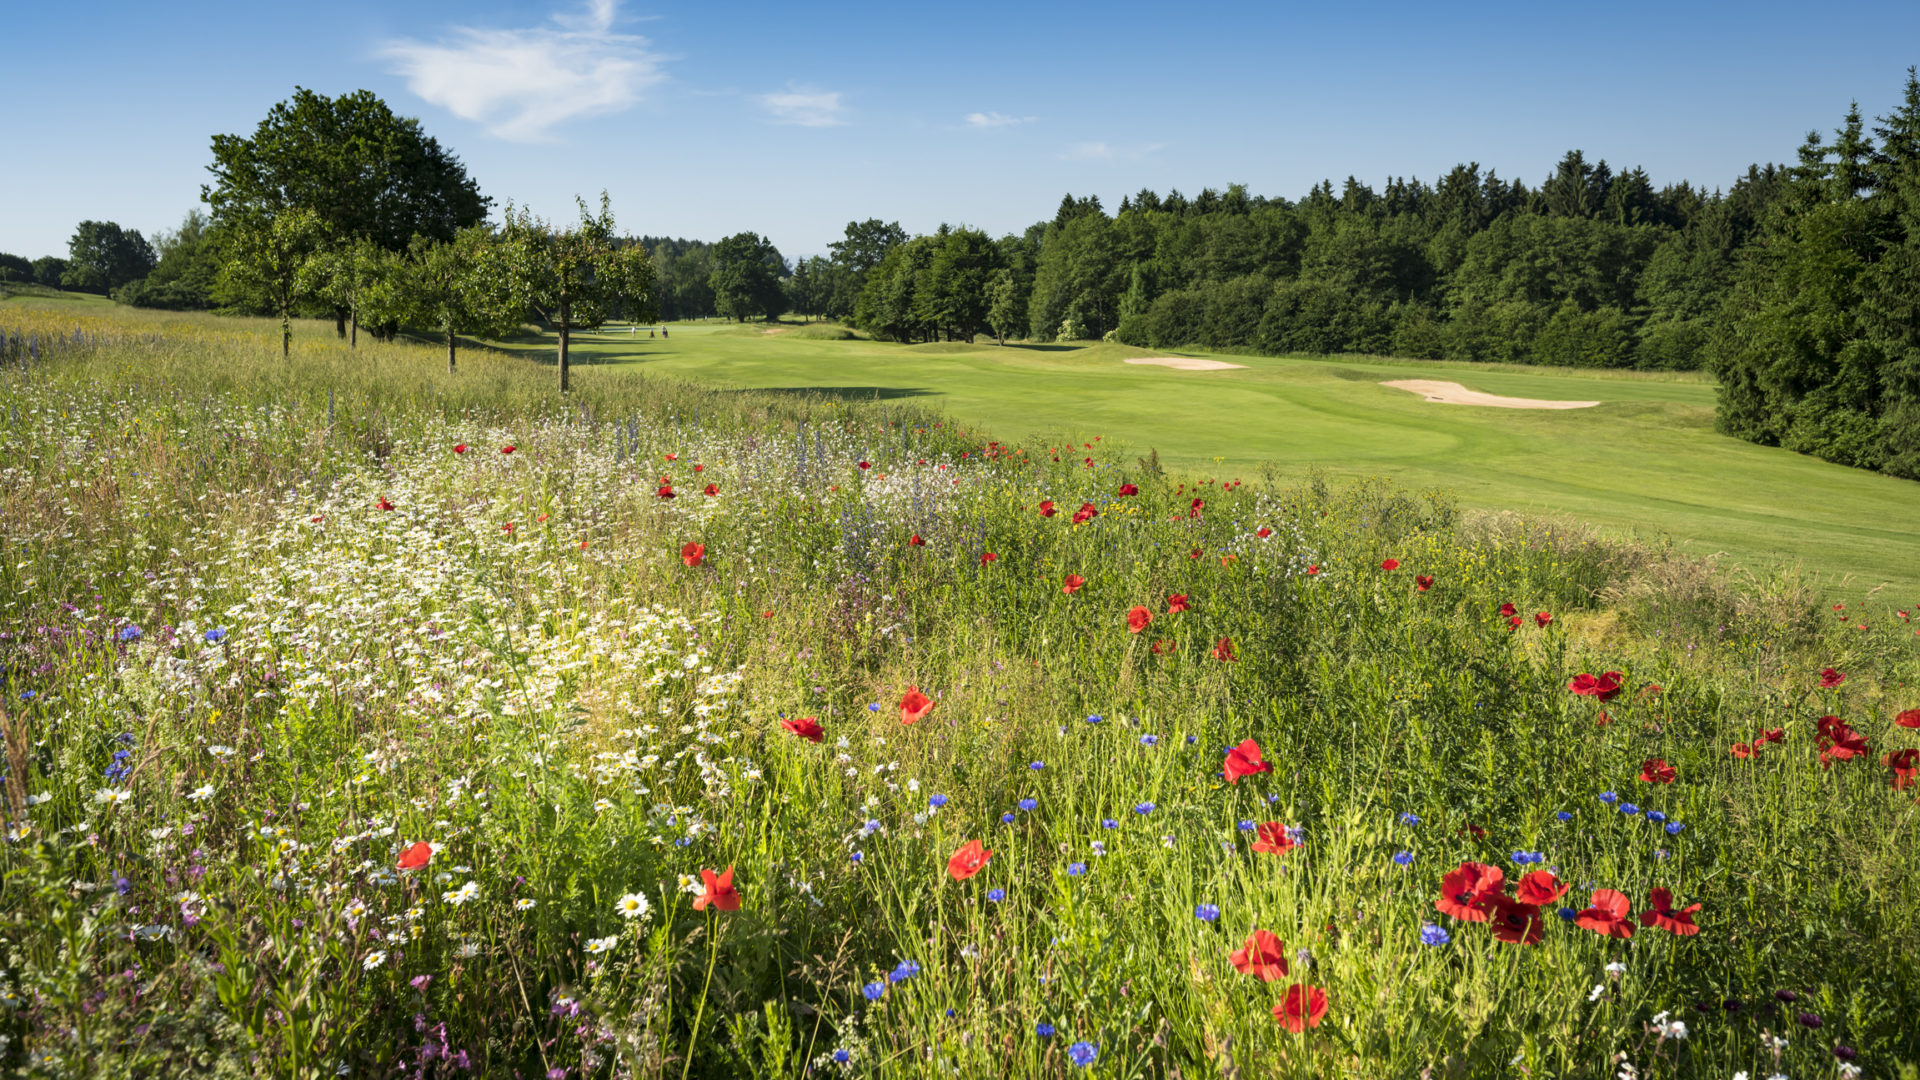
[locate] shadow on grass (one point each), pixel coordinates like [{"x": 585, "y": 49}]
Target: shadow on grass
[
  {"x": 1039, "y": 348},
  {"x": 843, "y": 393}
]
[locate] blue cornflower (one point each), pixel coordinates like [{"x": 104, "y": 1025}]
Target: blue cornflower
[
  {"x": 1629, "y": 808},
  {"x": 1043, "y": 1029},
  {"x": 1206, "y": 912},
  {"x": 1409, "y": 819},
  {"x": 937, "y": 801},
  {"x": 1083, "y": 1054},
  {"x": 1076, "y": 869},
  {"x": 996, "y": 895},
  {"x": 129, "y": 633},
  {"x": 905, "y": 970},
  {"x": 1526, "y": 857},
  {"x": 1434, "y": 935},
  {"x": 1109, "y": 823},
  {"x": 841, "y": 1056},
  {"x": 1674, "y": 827},
  {"x": 1027, "y": 804},
  {"x": 1564, "y": 816},
  {"x": 869, "y": 828},
  {"x": 1149, "y": 740},
  {"x": 1143, "y": 808},
  {"x": 1036, "y": 766},
  {"x": 1404, "y": 858},
  {"x": 1095, "y": 718},
  {"x": 858, "y": 856},
  {"x": 875, "y": 707},
  {"x": 1006, "y": 818},
  {"x": 122, "y": 885},
  {"x": 1656, "y": 816},
  {"x": 1247, "y": 825},
  {"x": 1567, "y": 914},
  {"x": 1609, "y": 798},
  {"x": 1098, "y": 848},
  {"x": 873, "y": 990},
  {"x": 216, "y": 635},
  {"x": 27, "y": 695},
  {"x": 1191, "y": 739}
]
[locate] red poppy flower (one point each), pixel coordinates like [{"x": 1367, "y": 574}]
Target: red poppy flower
[
  {"x": 968, "y": 861},
  {"x": 699, "y": 468},
  {"x": 1606, "y": 686},
  {"x": 1508, "y": 610},
  {"x": 1905, "y": 764},
  {"x": 1263, "y": 532},
  {"x": 1774, "y": 735},
  {"x": 508, "y": 449},
  {"x": 987, "y": 557},
  {"x": 916, "y": 541},
  {"x": 507, "y": 528},
  {"x": 1514, "y": 922},
  {"x": 1513, "y": 623},
  {"x": 1741, "y": 750},
  {"x": 1196, "y": 553},
  {"x": 1540, "y": 888},
  {"x": 914, "y": 705},
  {"x": 1312, "y": 570},
  {"x": 1422, "y": 582},
  {"x": 1390, "y": 565},
  {"x": 1073, "y": 584},
  {"x": 1244, "y": 760},
  {"x": 1047, "y": 508},
  {"x": 1303, "y": 1007},
  {"x": 1660, "y": 913},
  {"x": 1542, "y": 619},
  {"x": 459, "y": 448},
  {"x": 1656, "y": 771},
  {"x": 1908, "y": 719},
  {"x": 1165, "y": 645},
  {"x": 1830, "y": 678},
  {"x": 1264, "y": 956},
  {"x": 1223, "y": 650},
  {"x": 1603, "y": 719},
  {"x": 1138, "y": 618},
  {"x": 415, "y": 857},
  {"x": 711, "y": 489},
  {"x": 719, "y": 891},
  {"x": 1464, "y": 891},
  {"x": 1178, "y": 603},
  {"x": 1838, "y": 742},
  {"x": 1610, "y": 915},
  {"x": 692, "y": 554},
  {"x": 673, "y": 457},
  {"x": 384, "y": 504},
  {"x": 1272, "y": 838},
  {"x": 806, "y": 727},
  {"x": 866, "y": 465},
  {"x": 665, "y": 492},
  {"x": 1129, "y": 489}
]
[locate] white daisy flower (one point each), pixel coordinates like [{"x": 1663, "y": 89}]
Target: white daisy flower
[
  {"x": 523, "y": 904},
  {"x": 596, "y": 946},
  {"x": 632, "y": 906},
  {"x": 373, "y": 960}
]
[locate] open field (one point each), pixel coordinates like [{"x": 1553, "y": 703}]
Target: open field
[
  {"x": 367, "y": 720},
  {"x": 1645, "y": 461}
]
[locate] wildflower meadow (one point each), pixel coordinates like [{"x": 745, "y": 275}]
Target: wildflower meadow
[{"x": 366, "y": 719}]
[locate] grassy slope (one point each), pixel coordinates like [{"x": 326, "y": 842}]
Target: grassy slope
[{"x": 1645, "y": 460}]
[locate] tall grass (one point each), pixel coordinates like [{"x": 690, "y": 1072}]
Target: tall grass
[{"x": 265, "y": 629}]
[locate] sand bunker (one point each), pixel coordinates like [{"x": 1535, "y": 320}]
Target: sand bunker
[
  {"x": 1452, "y": 393},
  {"x": 1183, "y": 363}
]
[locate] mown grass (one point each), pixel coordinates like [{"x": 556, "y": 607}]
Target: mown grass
[
  {"x": 1646, "y": 463},
  {"x": 515, "y": 662}
]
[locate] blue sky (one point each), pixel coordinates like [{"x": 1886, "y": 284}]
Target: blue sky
[{"x": 706, "y": 119}]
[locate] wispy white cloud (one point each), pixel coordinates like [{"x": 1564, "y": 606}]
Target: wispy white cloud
[
  {"x": 994, "y": 120},
  {"x": 521, "y": 83},
  {"x": 804, "y": 106},
  {"x": 1100, "y": 151}
]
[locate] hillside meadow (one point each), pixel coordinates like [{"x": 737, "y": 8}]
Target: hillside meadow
[{"x": 364, "y": 719}]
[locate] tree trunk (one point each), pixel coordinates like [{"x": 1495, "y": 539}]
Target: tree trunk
[
  {"x": 354, "y": 341},
  {"x": 286, "y": 330},
  {"x": 564, "y": 328},
  {"x": 450, "y": 347},
  {"x": 340, "y": 322}
]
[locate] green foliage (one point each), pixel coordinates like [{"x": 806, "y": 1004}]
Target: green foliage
[
  {"x": 264, "y": 260},
  {"x": 461, "y": 287},
  {"x": 102, "y": 257},
  {"x": 574, "y": 278},
  {"x": 15, "y": 268},
  {"x": 49, "y": 270},
  {"x": 745, "y": 278},
  {"x": 187, "y": 272}
]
